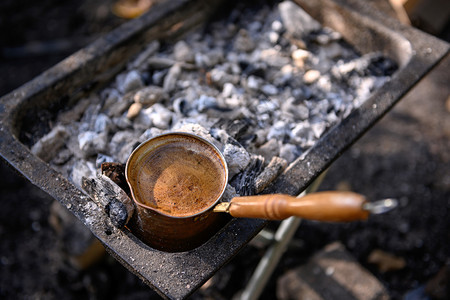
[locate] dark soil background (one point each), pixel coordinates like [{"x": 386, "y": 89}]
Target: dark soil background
[{"x": 406, "y": 155}]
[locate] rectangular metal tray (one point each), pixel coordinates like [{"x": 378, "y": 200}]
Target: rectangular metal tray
[{"x": 177, "y": 275}]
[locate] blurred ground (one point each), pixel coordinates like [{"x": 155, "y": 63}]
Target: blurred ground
[{"x": 406, "y": 155}]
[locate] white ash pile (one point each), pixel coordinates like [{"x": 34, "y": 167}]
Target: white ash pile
[{"x": 267, "y": 82}]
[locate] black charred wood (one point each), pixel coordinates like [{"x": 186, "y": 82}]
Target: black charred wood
[
  {"x": 244, "y": 182},
  {"x": 108, "y": 195}
]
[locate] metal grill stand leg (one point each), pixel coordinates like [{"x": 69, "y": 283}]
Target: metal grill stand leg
[{"x": 270, "y": 260}]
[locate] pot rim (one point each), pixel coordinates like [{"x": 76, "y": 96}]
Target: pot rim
[{"x": 192, "y": 135}]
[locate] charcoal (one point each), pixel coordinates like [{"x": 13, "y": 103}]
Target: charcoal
[
  {"x": 91, "y": 142},
  {"x": 235, "y": 128},
  {"x": 244, "y": 41},
  {"x": 269, "y": 89},
  {"x": 129, "y": 82},
  {"x": 150, "y": 95},
  {"x": 204, "y": 102},
  {"x": 171, "y": 78},
  {"x": 182, "y": 52},
  {"x": 265, "y": 84},
  {"x": 220, "y": 77},
  {"x": 382, "y": 66},
  {"x": 273, "y": 169},
  {"x": 80, "y": 170},
  {"x": 103, "y": 124},
  {"x": 228, "y": 89},
  {"x": 296, "y": 21},
  {"x": 117, "y": 212},
  {"x": 108, "y": 195},
  {"x": 115, "y": 109},
  {"x": 75, "y": 113},
  {"x": 256, "y": 69},
  {"x": 289, "y": 152},
  {"x": 244, "y": 182},
  {"x": 159, "y": 115},
  {"x": 269, "y": 149},
  {"x": 49, "y": 145},
  {"x": 62, "y": 157},
  {"x": 158, "y": 63},
  {"x": 237, "y": 158},
  {"x": 87, "y": 121},
  {"x": 122, "y": 123}
]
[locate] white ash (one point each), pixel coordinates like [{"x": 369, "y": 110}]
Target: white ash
[{"x": 276, "y": 69}]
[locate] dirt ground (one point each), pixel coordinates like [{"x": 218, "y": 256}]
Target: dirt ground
[{"x": 406, "y": 155}]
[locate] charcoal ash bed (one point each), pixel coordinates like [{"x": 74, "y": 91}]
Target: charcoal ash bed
[
  {"x": 177, "y": 275},
  {"x": 245, "y": 84}
]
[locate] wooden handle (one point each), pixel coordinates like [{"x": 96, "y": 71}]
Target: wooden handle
[{"x": 322, "y": 206}]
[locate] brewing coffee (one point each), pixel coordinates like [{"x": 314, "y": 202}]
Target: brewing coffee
[{"x": 180, "y": 178}]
